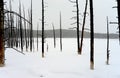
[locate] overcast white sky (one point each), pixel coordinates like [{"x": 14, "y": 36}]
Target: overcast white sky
[{"x": 102, "y": 8}]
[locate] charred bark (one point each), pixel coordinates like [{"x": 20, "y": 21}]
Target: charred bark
[
  {"x": 43, "y": 28},
  {"x": 78, "y": 41},
  {"x": 2, "y": 55},
  {"x": 118, "y": 8},
  {"x": 91, "y": 36},
  {"x": 77, "y": 22},
  {"x": 83, "y": 27},
  {"x": 31, "y": 29}
]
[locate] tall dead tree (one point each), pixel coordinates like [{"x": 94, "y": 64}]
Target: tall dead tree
[
  {"x": 37, "y": 36},
  {"x": 78, "y": 42},
  {"x": 107, "y": 62},
  {"x": 118, "y": 10},
  {"x": 54, "y": 35},
  {"x": 43, "y": 28},
  {"x": 25, "y": 28},
  {"x": 11, "y": 25},
  {"x": 2, "y": 55},
  {"x": 83, "y": 27},
  {"x": 31, "y": 29},
  {"x": 91, "y": 36},
  {"x": 60, "y": 32},
  {"x": 21, "y": 29},
  {"x": 77, "y": 17}
]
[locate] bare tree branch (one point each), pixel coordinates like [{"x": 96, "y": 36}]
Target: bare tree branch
[{"x": 72, "y": 1}]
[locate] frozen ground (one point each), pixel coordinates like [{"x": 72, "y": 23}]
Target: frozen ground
[{"x": 65, "y": 64}]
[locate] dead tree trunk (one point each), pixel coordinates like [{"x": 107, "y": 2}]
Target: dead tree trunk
[
  {"x": 31, "y": 29},
  {"x": 91, "y": 36},
  {"x": 54, "y": 36},
  {"x": 2, "y": 55},
  {"x": 118, "y": 8},
  {"x": 25, "y": 34},
  {"x": 76, "y": 17},
  {"x": 37, "y": 36},
  {"x": 42, "y": 28},
  {"x": 60, "y": 33},
  {"x": 21, "y": 29},
  {"x": 83, "y": 27},
  {"x": 78, "y": 41},
  {"x": 107, "y": 62}
]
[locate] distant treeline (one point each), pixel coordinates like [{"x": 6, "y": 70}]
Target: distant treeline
[{"x": 67, "y": 33}]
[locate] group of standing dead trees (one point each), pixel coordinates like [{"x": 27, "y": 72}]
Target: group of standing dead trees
[
  {"x": 11, "y": 29},
  {"x": 80, "y": 44},
  {"x": 29, "y": 39}
]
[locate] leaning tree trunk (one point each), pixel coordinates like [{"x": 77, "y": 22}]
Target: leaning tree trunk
[
  {"x": 91, "y": 36},
  {"x": 118, "y": 8},
  {"x": 2, "y": 62},
  {"x": 83, "y": 27}
]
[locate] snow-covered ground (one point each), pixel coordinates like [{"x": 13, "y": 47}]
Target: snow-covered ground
[{"x": 65, "y": 64}]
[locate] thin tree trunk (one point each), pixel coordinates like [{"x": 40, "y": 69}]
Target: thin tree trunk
[
  {"x": 77, "y": 13},
  {"x": 25, "y": 28},
  {"x": 37, "y": 36},
  {"x": 78, "y": 41},
  {"x": 17, "y": 37},
  {"x": 21, "y": 29},
  {"x": 11, "y": 25},
  {"x": 91, "y": 36},
  {"x": 28, "y": 28},
  {"x": 8, "y": 23},
  {"x": 42, "y": 28},
  {"x": 2, "y": 55},
  {"x": 83, "y": 27},
  {"x": 107, "y": 62},
  {"x": 54, "y": 36},
  {"x": 31, "y": 29},
  {"x": 60, "y": 33},
  {"x": 118, "y": 8}
]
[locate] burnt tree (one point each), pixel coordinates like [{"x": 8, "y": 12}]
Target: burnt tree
[
  {"x": 43, "y": 28},
  {"x": 108, "y": 51},
  {"x": 78, "y": 41},
  {"x": 77, "y": 19},
  {"x": 2, "y": 55},
  {"x": 118, "y": 10},
  {"x": 54, "y": 35},
  {"x": 31, "y": 29},
  {"x": 91, "y": 36},
  {"x": 83, "y": 27}
]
